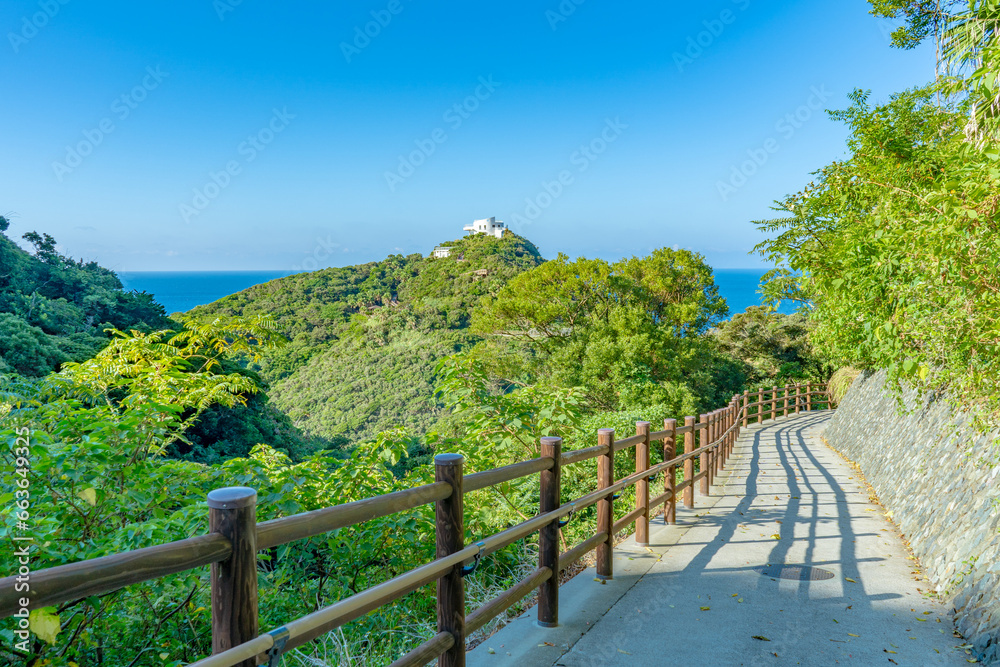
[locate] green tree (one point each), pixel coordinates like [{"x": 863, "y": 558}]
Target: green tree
[
  {"x": 628, "y": 332},
  {"x": 921, "y": 18},
  {"x": 775, "y": 347},
  {"x": 894, "y": 247}
]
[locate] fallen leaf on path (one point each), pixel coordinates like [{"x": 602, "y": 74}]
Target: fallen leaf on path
[
  {"x": 850, "y": 580},
  {"x": 760, "y": 637}
]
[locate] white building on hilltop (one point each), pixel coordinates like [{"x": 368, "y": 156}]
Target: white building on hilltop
[{"x": 486, "y": 226}]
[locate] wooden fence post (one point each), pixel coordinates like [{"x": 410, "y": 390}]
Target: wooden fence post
[
  {"x": 726, "y": 415},
  {"x": 718, "y": 454},
  {"x": 233, "y": 513},
  {"x": 720, "y": 450},
  {"x": 642, "y": 486},
  {"x": 736, "y": 431},
  {"x": 450, "y": 537},
  {"x": 798, "y": 398},
  {"x": 732, "y": 421},
  {"x": 689, "y": 463},
  {"x": 774, "y": 402},
  {"x": 605, "y": 508},
  {"x": 788, "y": 400},
  {"x": 702, "y": 441},
  {"x": 550, "y": 497},
  {"x": 760, "y": 408},
  {"x": 706, "y": 457},
  {"x": 711, "y": 431},
  {"x": 809, "y": 396},
  {"x": 746, "y": 408},
  {"x": 670, "y": 480}
]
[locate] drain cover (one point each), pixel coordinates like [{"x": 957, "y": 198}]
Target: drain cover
[{"x": 796, "y": 572}]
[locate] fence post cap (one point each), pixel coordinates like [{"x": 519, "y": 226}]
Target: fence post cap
[
  {"x": 448, "y": 459},
  {"x": 552, "y": 440},
  {"x": 605, "y": 431},
  {"x": 642, "y": 424},
  {"x": 232, "y": 497}
]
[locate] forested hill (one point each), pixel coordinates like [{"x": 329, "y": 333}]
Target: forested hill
[
  {"x": 55, "y": 309},
  {"x": 364, "y": 339}
]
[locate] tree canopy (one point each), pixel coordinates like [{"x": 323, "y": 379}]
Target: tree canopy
[
  {"x": 627, "y": 332},
  {"x": 894, "y": 248}
]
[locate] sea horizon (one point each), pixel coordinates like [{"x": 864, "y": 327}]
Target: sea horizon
[{"x": 180, "y": 291}]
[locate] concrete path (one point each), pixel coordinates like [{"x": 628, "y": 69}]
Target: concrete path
[{"x": 694, "y": 596}]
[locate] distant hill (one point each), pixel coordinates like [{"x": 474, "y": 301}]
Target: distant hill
[
  {"x": 54, "y": 309},
  {"x": 365, "y": 339}
]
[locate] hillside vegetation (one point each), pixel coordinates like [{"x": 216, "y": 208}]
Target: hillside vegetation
[
  {"x": 54, "y": 309},
  {"x": 482, "y": 353},
  {"x": 895, "y": 246},
  {"x": 364, "y": 340}
]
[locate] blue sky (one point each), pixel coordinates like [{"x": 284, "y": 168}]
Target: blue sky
[{"x": 238, "y": 135}]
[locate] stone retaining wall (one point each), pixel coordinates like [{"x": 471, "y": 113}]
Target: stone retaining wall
[{"x": 941, "y": 484}]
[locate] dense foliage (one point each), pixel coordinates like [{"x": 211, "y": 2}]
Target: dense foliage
[
  {"x": 776, "y": 349},
  {"x": 97, "y": 483},
  {"x": 55, "y": 309},
  {"x": 896, "y": 246},
  {"x": 376, "y": 345},
  {"x": 629, "y": 333},
  {"x": 364, "y": 340}
]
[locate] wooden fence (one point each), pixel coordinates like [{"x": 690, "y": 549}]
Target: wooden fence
[{"x": 235, "y": 537}]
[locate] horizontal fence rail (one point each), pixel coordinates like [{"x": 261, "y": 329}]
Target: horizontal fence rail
[{"x": 235, "y": 538}]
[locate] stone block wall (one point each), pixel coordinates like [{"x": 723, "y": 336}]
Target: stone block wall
[{"x": 940, "y": 482}]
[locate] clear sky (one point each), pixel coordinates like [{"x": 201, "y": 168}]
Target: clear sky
[{"x": 243, "y": 134}]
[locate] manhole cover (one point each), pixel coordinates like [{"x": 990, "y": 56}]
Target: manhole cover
[{"x": 796, "y": 572}]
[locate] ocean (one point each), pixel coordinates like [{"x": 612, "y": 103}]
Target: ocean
[{"x": 181, "y": 291}]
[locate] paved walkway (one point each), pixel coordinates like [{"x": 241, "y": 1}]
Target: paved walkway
[{"x": 695, "y": 597}]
